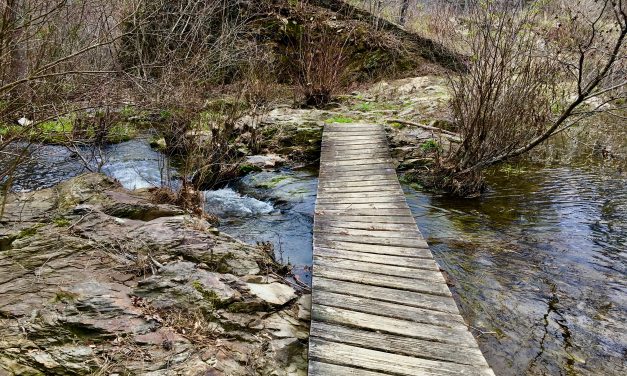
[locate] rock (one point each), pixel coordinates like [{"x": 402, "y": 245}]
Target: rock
[
  {"x": 265, "y": 161},
  {"x": 304, "y": 307},
  {"x": 99, "y": 279},
  {"x": 24, "y": 122},
  {"x": 275, "y": 293}
]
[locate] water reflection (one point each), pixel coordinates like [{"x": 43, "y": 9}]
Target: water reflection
[{"x": 539, "y": 265}]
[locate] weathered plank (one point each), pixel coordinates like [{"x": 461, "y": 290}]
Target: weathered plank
[
  {"x": 375, "y": 248},
  {"x": 403, "y": 234},
  {"x": 390, "y": 270},
  {"x": 398, "y": 344},
  {"x": 436, "y": 333},
  {"x": 320, "y": 368},
  {"x": 414, "y": 283},
  {"x": 378, "y": 259},
  {"x": 374, "y": 226},
  {"x": 387, "y": 294},
  {"x": 395, "y": 364},
  {"x": 381, "y": 305},
  {"x": 378, "y": 241},
  {"x": 367, "y": 219},
  {"x": 392, "y": 310}
]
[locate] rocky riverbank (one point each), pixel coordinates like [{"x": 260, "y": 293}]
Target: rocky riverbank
[{"x": 97, "y": 279}]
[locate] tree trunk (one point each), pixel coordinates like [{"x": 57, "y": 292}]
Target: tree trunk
[{"x": 404, "y": 8}]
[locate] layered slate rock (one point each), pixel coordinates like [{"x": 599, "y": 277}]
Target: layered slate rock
[
  {"x": 95, "y": 278},
  {"x": 380, "y": 303}
]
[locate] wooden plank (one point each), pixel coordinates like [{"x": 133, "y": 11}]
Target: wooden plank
[
  {"x": 386, "y": 294},
  {"x": 364, "y": 212},
  {"x": 323, "y": 222},
  {"x": 375, "y": 193},
  {"x": 410, "y": 262},
  {"x": 395, "y": 364},
  {"x": 354, "y": 137},
  {"x": 360, "y": 177},
  {"x": 390, "y": 310},
  {"x": 323, "y": 231},
  {"x": 349, "y": 206},
  {"x": 371, "y": 174},
  {"x": 414, "y": 284},
  {"x": 401, "y": 219},
  {"x": 361, "y": 183},
  {"x": 325, "y": 369},
  {"x": 354, "y": 144},
  {"x": 378, "y": 268},
  {"x": 357, "y": 162},
  {"x": 376, "y": 241},
  {"x": 382, "y": 199},
  {"x": 399, "y": 345},
  {"x": 441, "y": 334},
  {"x": 355, "y": 155},
  {"x": 373, "y": 248},
  {"x": 371, "y": 148},
  {"x": 359, "y": 170}
]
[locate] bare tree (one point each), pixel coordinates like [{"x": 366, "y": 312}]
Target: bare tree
[{"x": 525, "y": 84}]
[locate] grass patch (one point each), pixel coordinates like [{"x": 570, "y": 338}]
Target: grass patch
[
  {"x": 339, "y": 119},
  {"x": 122, "y": 132},
  {"x": 61, "y": 222},
  {"x": 429, "y": 146},
  {"x": 364, "y": 107}
]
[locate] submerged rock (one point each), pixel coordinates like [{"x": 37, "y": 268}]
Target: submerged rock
[{"x": 99, "y": 279}]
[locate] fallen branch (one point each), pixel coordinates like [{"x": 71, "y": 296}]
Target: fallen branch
[{"x": 453, "y": 137}]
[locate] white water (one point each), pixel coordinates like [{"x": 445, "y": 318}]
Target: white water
[{"x": 227, "y": 202}]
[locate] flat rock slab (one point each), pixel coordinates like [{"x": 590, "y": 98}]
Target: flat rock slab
[{"x": 380, "y": 305}]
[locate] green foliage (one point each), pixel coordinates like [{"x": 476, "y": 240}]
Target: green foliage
[
  {"x": 339, "y": 119},
  {"x": 430, "y": 145},
  {"x": 364, "y": 107},
  {"x": 122, "y": 132}
]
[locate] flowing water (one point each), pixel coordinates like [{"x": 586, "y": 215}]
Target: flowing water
[
  {"x": 133, "y": 163},
  {"x": 275, "y": 207},
  {"x": 538, "y": 264}
]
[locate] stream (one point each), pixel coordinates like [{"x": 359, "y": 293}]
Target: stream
[{"x": 538, "y": 264}]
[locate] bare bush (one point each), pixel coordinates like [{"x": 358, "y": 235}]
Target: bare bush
[
  {"x": 321, "y": 62},
  {"x": 525, "y": 85}
]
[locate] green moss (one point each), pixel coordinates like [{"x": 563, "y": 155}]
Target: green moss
[
  {"x": 64, "y": 296},
  {"x": 339, "y": 119},
  {"x": 61, "y": 125},
  {"x": 27, "y": 233},
  {"x": 273, "y": 183},
  {"x": 209, "y": 296},
  {"x": 397, "y": 125},
  {"x": 246, "y": 307},
  {"x": 430, "y": 145},
  {"x": 61, "y": 222},
  {"x": 158, "y": 142},
  {"x": 246, "y": 169}
]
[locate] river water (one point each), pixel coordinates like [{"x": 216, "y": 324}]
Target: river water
[{"x": 538, "y": 264}]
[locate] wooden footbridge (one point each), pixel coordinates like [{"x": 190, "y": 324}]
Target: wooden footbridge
[{"x": 380, "y": 303}]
